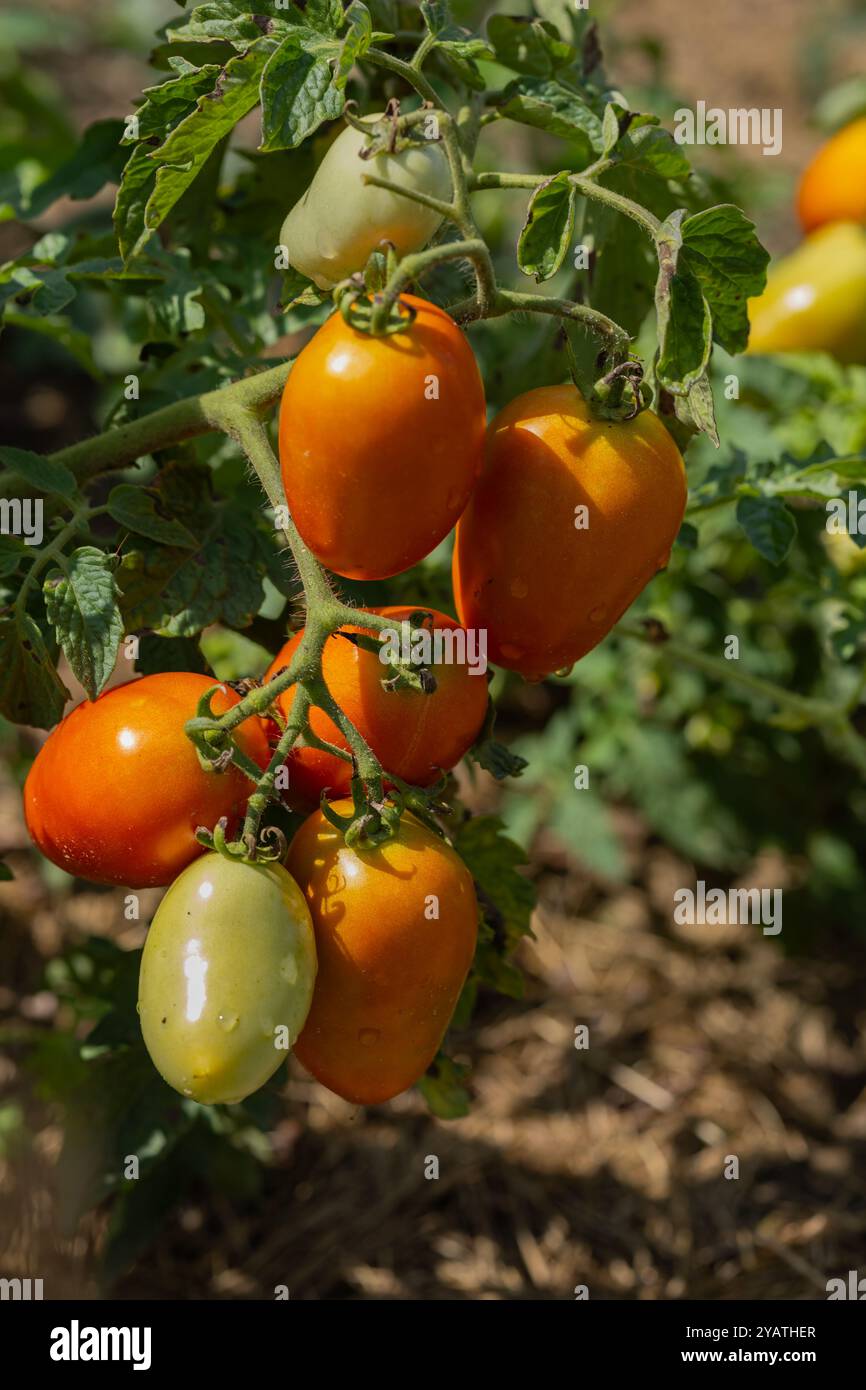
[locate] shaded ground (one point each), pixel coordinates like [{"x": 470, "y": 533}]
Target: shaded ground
[{"x": 602, "y": 1167}]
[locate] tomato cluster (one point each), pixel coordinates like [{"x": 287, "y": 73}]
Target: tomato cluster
[{"x": 355, "y": 956}]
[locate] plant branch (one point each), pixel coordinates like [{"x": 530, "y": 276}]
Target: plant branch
[{"x": 407, "y": 71}]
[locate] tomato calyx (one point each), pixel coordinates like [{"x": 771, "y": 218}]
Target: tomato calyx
[
  {"x": 392, "y": 133},
  {"x": 404, "y": 669},
  {"x": 621, "y": 394},
  {"x": 270, "y": 847},
  {"x": 357, "y": 306},
  {"x": 372, "y": 822}
]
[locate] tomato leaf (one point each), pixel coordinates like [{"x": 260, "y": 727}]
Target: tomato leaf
[
  {"x": 31, "y": 691},
  {"x": 529, "y": 46},
  {"x": 44, "y": 474},
  {"x": 443, "y": 1088},
  {"x": 507, "y": 897},
  {"x": 356, "y": 42},
  {"x": 184, "y": 153},
  {"x": 720, "y": 248},
  {"x": 169, "y": 654},
  {"x": 223, "y": 19},
  {"x": 298, "y": 94},
  {"x": 545, "y": 238},
  {"x": 769, "y": 525},
  {"x": 548, "y": 105},
  {"x": 136, "y": 508},
  {"x": 81, "y": 604}
]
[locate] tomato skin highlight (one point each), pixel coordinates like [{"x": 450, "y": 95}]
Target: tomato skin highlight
[
  {"x": 339, "y": 221},
  {"x": 815, "y": 299},
  {"x": 375, "y": 468},
  {"x": 546, "y": 591},
  {"x": 389, "y": 977},
  {"x": 230, "y": 957},
  {"x": 413, "y": 735},
  {"x": 833, "y": 186},
  {"x": 116, "y": 792}
]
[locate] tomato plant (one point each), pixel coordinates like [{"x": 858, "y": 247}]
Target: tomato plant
[{"x": 276, "y": 451}]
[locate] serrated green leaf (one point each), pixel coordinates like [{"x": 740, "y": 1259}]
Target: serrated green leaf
[
  {"x": 41, "y": 473},
  {"x": 81, "y": 604},
  {"x": 136, "y": 187},
  {"x": 183, "y": 155},
  {"x": 528, "y": 45},
  {"x": 298, "y": 93},
  {"x": 358, "y": 37},
  {"x": 769, "y": 525},
  {"x": 493, "y": 860},
  {"x": 547, "y": 105},
  {"x": 721, "y": 249},
  {"x": 136, "y": 508},
  {"x": 31, "y": 691}
]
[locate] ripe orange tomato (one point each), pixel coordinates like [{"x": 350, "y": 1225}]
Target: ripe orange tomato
[
  {"x": 833, "y": 188},
  {"x": 413, "y": 735},
  {"x": 381, "y": 441},
  {"x": 572, "y": 517},
  {"x": 395, "y": 935},
  {"x": 116, "y": 792}
]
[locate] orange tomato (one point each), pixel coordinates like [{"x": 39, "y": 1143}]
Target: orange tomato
[
  {"x": 116, "y": 792},
  {"x": 381, "y": 441},
  {"x": 414, "y": 736},
  {"x": 395, "y": 935},
  {"x": 572, "y": 517},
  {"x": 833, "y": 188}
]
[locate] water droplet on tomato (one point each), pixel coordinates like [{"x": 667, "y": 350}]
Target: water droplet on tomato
[
  {"x": 228, "y": 1022},
  {"x": 596, "y": 615},
  {"x": 368, "y": 1036},
  {"x": 518, "y": 588}
]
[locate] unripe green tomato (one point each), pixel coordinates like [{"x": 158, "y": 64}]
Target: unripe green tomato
[
  {"x": 815, "y": 300},
  {"x": 337, "y": 224},
  {"x": 227, "y": 977}
]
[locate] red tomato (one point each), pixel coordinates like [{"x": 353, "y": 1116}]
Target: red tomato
[
  {"x": 413, "y": 735},
  {"x": 116, "y": 792},
  {"x": 381, "y": 441}
]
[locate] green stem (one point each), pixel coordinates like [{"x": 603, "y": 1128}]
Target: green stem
[
  {"x": 409, "y": 73},
  {"x": 411, "y": 267},
  {"x": 585, "y": 185},
  {"x": 186, "y": 419},
  {"x": 414, "y": 195}
]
